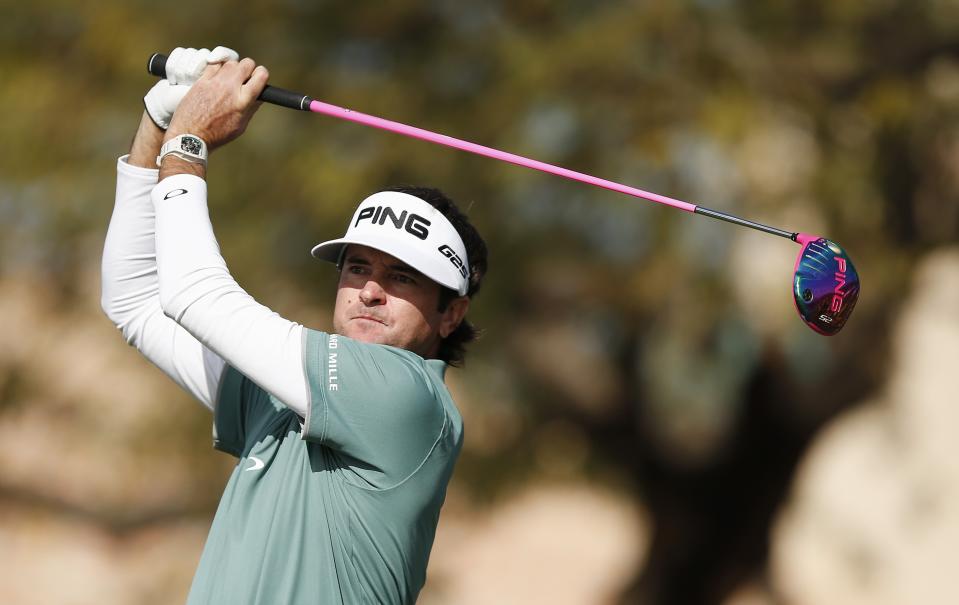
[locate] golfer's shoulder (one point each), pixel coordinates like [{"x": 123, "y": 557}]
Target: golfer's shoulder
[
  {"x": 404, "y": 368},
  {"x": 399, "y": 370},
  {"x": 351, "y": 363}
]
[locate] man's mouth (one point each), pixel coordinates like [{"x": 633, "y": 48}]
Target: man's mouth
[{"x": 370, "y": 318}]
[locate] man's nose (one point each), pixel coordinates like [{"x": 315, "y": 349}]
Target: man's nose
[{"x": 372, "y": 293}]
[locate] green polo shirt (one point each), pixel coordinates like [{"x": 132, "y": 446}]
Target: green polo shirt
[{"x": 342, "y": 508}]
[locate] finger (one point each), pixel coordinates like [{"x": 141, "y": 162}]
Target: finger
[
  {"x": 221, "y": 54},
  {"x": 185, "y": 65},
  {"x": 252, "y": 88},
  {"x": 237, "y": 72},
  {"x": 211, "y": 69},
  {"x": 173, "y": 61},
  {"x": 246, "y": 67},
  {"x": 193, "y": 69}
]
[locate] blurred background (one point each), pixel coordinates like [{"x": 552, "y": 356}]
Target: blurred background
[{"x": 647, "y": 419}]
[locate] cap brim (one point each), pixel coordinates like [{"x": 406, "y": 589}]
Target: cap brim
[{"x": 332, "y": 250}]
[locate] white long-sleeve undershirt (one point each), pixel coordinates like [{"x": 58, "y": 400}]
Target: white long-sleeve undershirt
[{"x": 166, "y": 286}]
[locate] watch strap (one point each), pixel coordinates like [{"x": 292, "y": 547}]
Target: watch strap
[{"x": 188, "y": 147}]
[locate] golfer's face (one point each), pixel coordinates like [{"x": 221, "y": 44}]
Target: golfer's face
[{"x": 382, "y": 300}]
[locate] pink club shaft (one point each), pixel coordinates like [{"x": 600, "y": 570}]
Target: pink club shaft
[
  {"x": 442, "y": 139},
  {"x": 156, "y": 65}
]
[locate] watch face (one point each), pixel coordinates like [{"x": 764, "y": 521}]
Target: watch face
[{"x": 191, "y": 145}]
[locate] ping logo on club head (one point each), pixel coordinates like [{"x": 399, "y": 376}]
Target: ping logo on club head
[
  {"x": 451, "y": 254},
  {"x": 413, "y": 224},
  {"x": 838, "y": 296}
]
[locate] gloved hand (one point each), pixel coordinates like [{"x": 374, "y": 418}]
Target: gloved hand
[{"x": 183, "y": 67}]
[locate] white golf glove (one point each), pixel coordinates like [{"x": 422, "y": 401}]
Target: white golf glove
[{"x": 184, "y": 66}]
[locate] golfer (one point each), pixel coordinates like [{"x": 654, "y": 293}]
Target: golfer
[{"x": 346, "y": 441}]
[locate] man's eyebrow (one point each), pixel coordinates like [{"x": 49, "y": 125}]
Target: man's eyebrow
[
  {"x": 398, "y": 266},
  {"x": 404, "y": 268}
]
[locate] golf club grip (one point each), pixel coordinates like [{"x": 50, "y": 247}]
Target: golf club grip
[{"x": 156, "y": 65}]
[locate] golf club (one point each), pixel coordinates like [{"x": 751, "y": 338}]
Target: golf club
[{"x": 825, "y": 282}]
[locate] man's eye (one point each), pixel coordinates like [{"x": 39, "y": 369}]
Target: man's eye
[
  {"x": 356, "y": 269},
  {"x": 403, "y": 279}
]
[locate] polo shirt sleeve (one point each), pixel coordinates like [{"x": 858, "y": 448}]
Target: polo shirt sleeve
[
  {"x": 245, "y": 413},
  {"x": 376, "y": 405}
]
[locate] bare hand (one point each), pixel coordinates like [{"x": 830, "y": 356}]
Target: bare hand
[{"x": 221, "y": 103}]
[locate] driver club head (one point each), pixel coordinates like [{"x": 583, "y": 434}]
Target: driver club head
[{"x": 825, "y": 284}]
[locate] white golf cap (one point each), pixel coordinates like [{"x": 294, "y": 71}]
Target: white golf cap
[{"x": 410, "y": 229}]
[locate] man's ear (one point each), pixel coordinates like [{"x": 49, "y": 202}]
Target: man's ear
[{"x": 453, "y": 315}]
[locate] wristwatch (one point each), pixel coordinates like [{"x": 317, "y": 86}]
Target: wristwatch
[{"x": 185, "y": 146}]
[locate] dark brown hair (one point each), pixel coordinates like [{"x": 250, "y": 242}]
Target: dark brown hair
[{"x": 453, "y": 347}]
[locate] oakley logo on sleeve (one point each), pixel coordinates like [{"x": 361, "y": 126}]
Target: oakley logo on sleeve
[
  {"x": 174, "y": 193},
  {"x": 413, "y": 224},
  {"x": 257, "y": 464}
]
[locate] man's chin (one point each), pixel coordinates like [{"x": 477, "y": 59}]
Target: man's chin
[
  {"x": 370, "y": 339},
  {"x": 367, "y": 331}
]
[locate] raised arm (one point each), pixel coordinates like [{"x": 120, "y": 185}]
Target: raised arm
[
  {"x": 130, "y": 294},
  {"x": 130, "y": 286},
  {"x": 196, "y": 288}
]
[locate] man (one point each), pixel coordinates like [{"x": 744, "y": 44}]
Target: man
[{"x": 346, "y": 441}]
